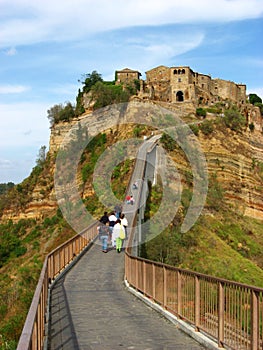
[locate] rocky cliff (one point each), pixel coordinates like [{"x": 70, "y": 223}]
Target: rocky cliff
[{"x": 235, "y": 158}]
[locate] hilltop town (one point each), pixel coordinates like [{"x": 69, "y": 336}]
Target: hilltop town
[
  {"x": 182, "y": 84},
  {"x": 179, "y": 86}
]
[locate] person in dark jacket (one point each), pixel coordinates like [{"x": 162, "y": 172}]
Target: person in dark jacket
[{"x": 104, "y": 219}]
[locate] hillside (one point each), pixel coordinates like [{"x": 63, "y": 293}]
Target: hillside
[{"x": 226, "y": 241}]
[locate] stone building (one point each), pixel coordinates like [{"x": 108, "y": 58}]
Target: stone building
[
  {"x": 182, "y": 84},
  {"x": 126, "y": 76}
]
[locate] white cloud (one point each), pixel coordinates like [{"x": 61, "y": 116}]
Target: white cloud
[
  {"x": 6, "y": 164},
  {"x": 11, "y": 52},
  {"x": 13, "y": 89},
  {"x": 73, "y": 19}
]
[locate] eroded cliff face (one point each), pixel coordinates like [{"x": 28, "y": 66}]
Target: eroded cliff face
[{"x": 235, "y": 158}]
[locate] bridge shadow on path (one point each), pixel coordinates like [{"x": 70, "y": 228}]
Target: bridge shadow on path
[{"x": 91, "y": 309}]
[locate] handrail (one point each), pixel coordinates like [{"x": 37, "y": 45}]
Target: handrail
[
  {"x": 229, "y": 312},
  {"x": 33, "y": 333}
]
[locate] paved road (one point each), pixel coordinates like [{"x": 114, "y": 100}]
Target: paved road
[{"x": 93, "y": 310}]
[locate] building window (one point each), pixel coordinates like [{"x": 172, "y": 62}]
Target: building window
[
  {"x": 183, "y": 71},
  {"x": 179, "y": 80},
  {"x": 175, "y": 71}
]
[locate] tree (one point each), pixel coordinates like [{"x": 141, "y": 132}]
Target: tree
[
  {"x": 67, "y": 113},
  {"x": 253, "y": 98},
  {"x": 53, "y": 113},
  {"x": 61, "y": 112},
  {"x": 260, "y": 106},
  {"x": 104, "y": 94},
  {"x": 41, "y": 156},
  {"x": 90, "y": 80}
]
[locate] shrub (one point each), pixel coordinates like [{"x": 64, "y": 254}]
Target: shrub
[
  {"x": 195, "y": 129},
  {"x": 168, "y": 142},
  {"x": 234, "y": 120},
  {"x": 207, "y": 127},
  {"x": 201, "y": 112}
]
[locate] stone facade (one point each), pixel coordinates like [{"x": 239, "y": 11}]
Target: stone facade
[
  {"x": 182, "y": 84},
  {"x": 126, "y": 76}
]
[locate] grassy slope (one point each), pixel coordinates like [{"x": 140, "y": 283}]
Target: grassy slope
[{"x": 235, "y": 255}]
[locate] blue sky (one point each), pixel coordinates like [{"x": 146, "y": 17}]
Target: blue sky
[{"x": 46, "y": 46}]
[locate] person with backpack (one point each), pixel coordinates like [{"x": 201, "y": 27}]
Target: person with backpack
[
  {"x": 118, "y": 235},
  {"x": 124, "y": 223}
]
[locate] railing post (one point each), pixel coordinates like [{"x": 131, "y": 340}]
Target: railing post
[
  {"x": 164, "y": 287},
  {"x": 144, "y": 277},
  {"x": 197, "y": 303},
  {"x": 221, "y": 307},
  {"x": 136, "y": 273},
  {"x": 153, "y": 272},
  {"x": 254, "y": 320},
  {"x": 179, "y": 293}
]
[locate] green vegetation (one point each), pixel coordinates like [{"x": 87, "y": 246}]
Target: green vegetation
[
  {"x": 89, "y": 80},
  {"x": 105, "y": 95},
  {"x": 21, "y": 257},
  {"x": 253, "y": 99},
  {"x": 207, "y": 127},
  {"x": 215, "y": 195},
  {"x": 120, "y": 177},
  {"x": 61, "y": 112},
  {"x": 224, "y": 245},
  {"x": 201, "y": 112},
  {"x": 21, "y": 194},
  {"x": 168, "y": 142},
  {"x": 234, "y": 119},
  {"x": 194, "y": 128},
  {"x": 5, "y": 187},
  {"x": 93, "y": 150}
]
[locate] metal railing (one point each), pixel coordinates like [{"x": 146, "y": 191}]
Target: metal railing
[
  {"x": 230, "y": 313},
  {"x": 33, "y": 333}
]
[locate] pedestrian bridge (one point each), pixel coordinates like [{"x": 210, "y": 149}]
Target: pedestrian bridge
[{"x": 86, "y": 299}]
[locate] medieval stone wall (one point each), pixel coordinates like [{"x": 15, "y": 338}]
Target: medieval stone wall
[
  {"x": 126, "y": 76},
  {"x": 179, "y": 84}
]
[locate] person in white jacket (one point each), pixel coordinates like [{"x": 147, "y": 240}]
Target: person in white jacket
[
  {"x": 124, "y": 223},
  {"x": 118, "y": 235}
]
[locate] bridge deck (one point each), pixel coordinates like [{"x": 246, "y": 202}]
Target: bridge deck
[{"x": 92, "y": 309}]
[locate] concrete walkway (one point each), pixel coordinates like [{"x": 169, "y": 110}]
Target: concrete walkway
[{"x": 93, "y": 310}]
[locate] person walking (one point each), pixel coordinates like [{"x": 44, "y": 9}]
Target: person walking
[
  {"x": 104, "y": 219},
  {"x": 112, "y": 220},
  {"x": 104, "y": 236},
  {"x": 118, "y": 235},
  {"x": 117, "y": 210},
  {"x": 124, "y": 223}
]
